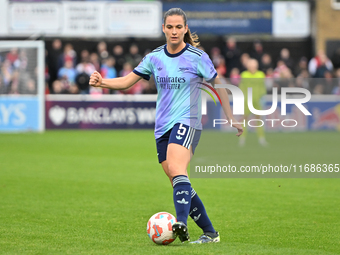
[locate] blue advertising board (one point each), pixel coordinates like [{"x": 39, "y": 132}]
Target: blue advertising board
[
  {"x": 20, "y": 114},
  {"x": 227, "y": 18},
  {"x": 325, "y": 116}
]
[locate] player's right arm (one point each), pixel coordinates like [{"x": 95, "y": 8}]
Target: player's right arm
[{"x": 120, "y": 83}]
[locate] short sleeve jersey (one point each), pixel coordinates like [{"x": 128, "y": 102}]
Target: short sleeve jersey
[{"x": 178, "y": 78}]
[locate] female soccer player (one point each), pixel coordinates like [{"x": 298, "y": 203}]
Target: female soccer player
[{"x": 178, "y": 68}]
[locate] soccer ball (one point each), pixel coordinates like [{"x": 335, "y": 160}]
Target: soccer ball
[{"x": 159, "y": 228}]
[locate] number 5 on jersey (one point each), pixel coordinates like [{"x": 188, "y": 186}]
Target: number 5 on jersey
[
  {"x": 181, "y": 131},
  {"x": 183, "y": 135}
]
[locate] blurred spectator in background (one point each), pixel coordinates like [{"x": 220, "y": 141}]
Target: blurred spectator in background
[
  {"x": 244, "y": 59},
  {"x": 95, "y": 61},
  {"x": 68, "y": 54},
  {"x": 269, "y": 81},
  {"x": 235, "y": 77},
  {"x": 48, "y": 88},
  {"x": 215, "y": 55},
  {"x": 318, "y": 89},
  {"x": 102, "y": 50},
  {"x": 14, "y": 85},
  {"x": 85, "y": 66},
  {"x": 266, "y": 62},
  {"x": 22, "y": 83},
  {"x": 52, "y": 61},
  {"x": 126, "y": 69},
  {"x": 137, "y": 88},
  {"x": 282, "y": 76},
  {"x": 221, "y": 68},
  {"x": 148, "y": 87},
  {"x": 302, "y": 80},
  {"x": 84, "y": 70},
  {"x": 285, "y": 57},
  {"x": 301, "y": 67},
  {"x": 318, "y": 65},
  {"x": 57, "y": 87},
  {"x": 2, "y": 86},
  {"x": 232, "y": 55},
  {"x": 84, "y": 54},
  {"x": 218, "y": 61},
  {"x": 6, "y": 71},
  {"x": 12, "y": 57},
  {"x": 30, "y": 87},
  {"x": 257, "y": 52},
  {"x": 68, "y": 72},
  {"x": 336, "y": 89},
  {"x": 67, "y": 75},
  {"x": 118, "y": 54},
  {"x": 280, "y": 70},
  {"x": 133, "y": 57},
  {"x": 22, "y": 60},
  {"x": 108, "y": 70},
  {"x": 325, "y": 66},
  {"x": 328, "y": 83},
  {"x": 336, "y": 59}
]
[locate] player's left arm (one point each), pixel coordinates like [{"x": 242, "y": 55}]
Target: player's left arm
[
  {"x": 226, "y": 106},
  {"x": 206, "y": 69}
]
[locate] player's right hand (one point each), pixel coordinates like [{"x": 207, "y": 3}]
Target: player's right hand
[{"x": 95, "y": 79}]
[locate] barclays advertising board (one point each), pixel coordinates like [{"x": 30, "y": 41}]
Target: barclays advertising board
[{"x": 100, "y": 115}]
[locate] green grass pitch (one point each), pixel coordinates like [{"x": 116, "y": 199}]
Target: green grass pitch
[{"x": 92, "y": 192}]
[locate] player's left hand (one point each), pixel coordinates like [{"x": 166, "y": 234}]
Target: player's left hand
[{"x": 238, "y": 127}]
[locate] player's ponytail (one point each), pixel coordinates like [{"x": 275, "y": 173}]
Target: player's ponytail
[{"x": 189, "y": 37}]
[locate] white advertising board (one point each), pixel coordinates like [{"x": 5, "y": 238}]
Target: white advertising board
[
  {"x": 127, "y": 19},
  {"x": 81, "y": 19},
  {"x": 291, "y": 19},
  {"x": 29, "y": 18}
]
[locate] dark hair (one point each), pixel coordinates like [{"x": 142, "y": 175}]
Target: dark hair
[{"x": 189, "y": 37}]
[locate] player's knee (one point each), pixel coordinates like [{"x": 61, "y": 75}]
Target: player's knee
[{"x": 175, "y": 169}]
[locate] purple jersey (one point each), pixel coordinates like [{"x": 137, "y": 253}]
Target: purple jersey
[{"x": 177, "y": 77}]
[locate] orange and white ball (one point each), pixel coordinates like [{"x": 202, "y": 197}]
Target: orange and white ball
[{"x": 159, "y": 228}]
